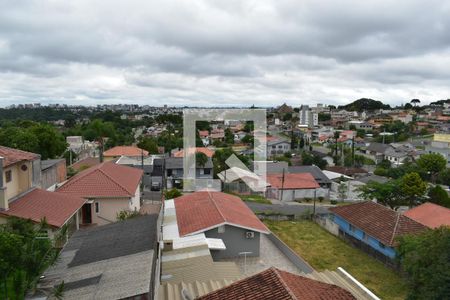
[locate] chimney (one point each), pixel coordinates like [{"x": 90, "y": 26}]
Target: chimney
[{"x": 3, "y": 200}]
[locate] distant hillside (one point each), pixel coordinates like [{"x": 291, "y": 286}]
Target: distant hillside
[{"x": 365, "y": 104}]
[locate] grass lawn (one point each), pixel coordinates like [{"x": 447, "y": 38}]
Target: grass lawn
[
  {"x": 324, "y": 251},
  {"x": 255, "y": 198}
]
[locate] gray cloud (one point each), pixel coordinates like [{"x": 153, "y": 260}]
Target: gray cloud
[{"x": 223, "y": 52}]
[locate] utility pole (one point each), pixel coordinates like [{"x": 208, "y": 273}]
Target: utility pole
[{"x": 353, "y": 151}]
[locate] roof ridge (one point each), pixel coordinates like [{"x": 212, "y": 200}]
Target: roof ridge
[
  {"x": 77, "y": 177},
  {"x": 395, "y": 228},
  {"x": 285, "y": 285},
  {"x": 216, "y": 206},
  {"x": 113, "y": 180}
]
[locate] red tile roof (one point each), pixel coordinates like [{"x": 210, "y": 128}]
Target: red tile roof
[
  {"x": 292, "y": 181},
  {"x": 104, "y": 180},
  {"x": 124, "y": 150},
  {"x": 208, "y": 152},
  {"x": 378, "y": 221},
  {"x": 12, "y": 156},
  {"x": 56, "y": 207},
  {"x": 199, "y": 211},
  {"x": 280, "y": 285},
  {"x": 203, "y": 133},
  {"x": 85, "y": 163},
  {"x": 430, "y": 215}
]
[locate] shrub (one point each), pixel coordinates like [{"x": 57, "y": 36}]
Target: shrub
[
  {"x": 126, "y": 214},
  {"x": 171, "y": 194},
  {"x": 333, "y": 201},
  {"x": 307, "y": 199},
  {"x": 321, "y": 199}
]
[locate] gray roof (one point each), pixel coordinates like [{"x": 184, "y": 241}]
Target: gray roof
[
  {"x": 276, "y": 142},
  {"x": 45, "y": 164},
  {"x": 113, "y": 261},
  {"x": 395, "y": 153},
  {"x": 378, "y": 147},
  {"x": 177, "y": 163},
  {"x": 373, "y": 177},
  {"x": 315, "y": 171}
]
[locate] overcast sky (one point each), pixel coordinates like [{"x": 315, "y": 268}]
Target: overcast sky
[{"x": 223, "y": 52}]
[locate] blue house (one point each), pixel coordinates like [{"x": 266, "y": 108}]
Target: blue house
[{"x": 373, "y": 227}]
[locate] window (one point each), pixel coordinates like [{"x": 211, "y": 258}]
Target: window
[
  {"x": 221, "y": 229},
  {"x": 8, "y": 176},
  {"x": 381, "y": 245},
  {"x": 351, "y": 228},
  {"x": 97, "y": 207},
  {"x": 207, "y": 171},
  {"x": 365, "y": 237}
]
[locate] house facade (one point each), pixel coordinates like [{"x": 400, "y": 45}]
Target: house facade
[
  {"x": 277, "y": 147},
  {"x": 290, "y": 187},
  {"x": 109, "y": 189}
]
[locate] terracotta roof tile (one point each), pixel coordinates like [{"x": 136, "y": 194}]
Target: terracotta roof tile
[
  {"x": 125, "y": 151},
  {"x": 104, "y": 180},
  {"x": 85, "y": 163},
  {"x": 208, "y": 152},
  {"x": 56, "y": 207},
  {"x": 292, "y": 181},
  {"x": 12, "y": 156},
  {"x": 202, "y": 210},
  {"x": 378, "y": 221},
  {"x": 276, "y": 284},
  {"x": 430, "y": 215}
]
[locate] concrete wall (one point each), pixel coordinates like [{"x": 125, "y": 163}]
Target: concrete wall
[
  {"x": 235, "y": 242},
  {"x": 363, "y": 237},
  {"x": 21, "y": 180},
  {"x": 108, "y": 209}
]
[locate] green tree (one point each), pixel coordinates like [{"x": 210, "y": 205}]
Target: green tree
[
  {"x": 201, "y": 159},
  {"x": 413, "y": 188},
  {"x": 432, "y": 163},
  {"x": 229, "y": 137},
  {"x": 425, "y": 258},
  {"x": 149, "y": 144},
  {"x": 388, "y": 194},
  {"x": 439, "y": 196},
  {"x": 342, "y": 190},
  {"x": 52, "y": 143}
]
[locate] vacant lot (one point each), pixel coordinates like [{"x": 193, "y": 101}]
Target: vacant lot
[{"x": 323, "y": 250}]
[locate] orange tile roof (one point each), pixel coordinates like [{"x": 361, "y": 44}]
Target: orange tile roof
[
  {"x": 280, "y": 285},
  {"x": 208, "y": 152},
  {"x": 430, "y": 215},
  {"x": 56, "y": 207},
  {"x": 85, "y": 163},
  {"x": 124, "y": 150},
  {"x": 292, "y": 181},
  {"x": 104, "y": 180},
  {"x": 12, "y": 156},
  {"x": 203, "y": 210},
  {"x": 378, "y": 221}
]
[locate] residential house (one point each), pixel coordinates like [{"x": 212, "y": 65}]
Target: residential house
[
  {"x": 278, "y": 147},
  {"x": 376, "y": 151},
  {"x": 317, "y": 173},
  {"x": 118, "y": 151},
  {"x": 440, "y": 144},
  {"x": 360, "y": 125},
  {"x": 20, "y": 196},
  {"x": 242, "y": 181},
  {"x": 174, "y": 171},
  {"x": 220, "y": 216},
  {"x": 373, "y": 227},
  {"x": 261, "y": 168},
  {"x": 204, "y": 136},
  {"x": 429, "y": 214},
  {"x": 85, "y": 163},
  {"x": 151, "y": 165},
  {"x": 53, "y": 171},
  {"x": 109, "y": 189},
  {"x": 115, "y": 261},
  {"x": 274, "y": 283},
  {"x": 217, "y": 135},
  {"x": 290, "y": 187},
  {"x": 207, "y": 151}
]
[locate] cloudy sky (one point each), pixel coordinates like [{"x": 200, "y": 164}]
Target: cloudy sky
[{"x": 231, "y": 52}]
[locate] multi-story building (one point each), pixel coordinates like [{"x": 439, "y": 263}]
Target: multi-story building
[{"x": 308, "y": 117}]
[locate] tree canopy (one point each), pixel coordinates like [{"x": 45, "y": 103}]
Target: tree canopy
[{"x": 425, "y": 258}]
